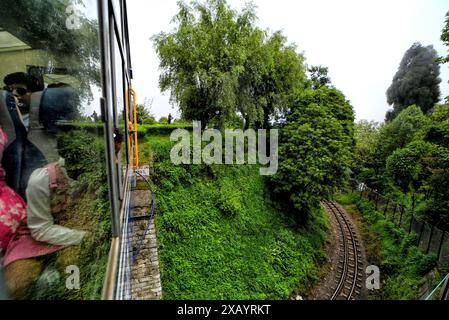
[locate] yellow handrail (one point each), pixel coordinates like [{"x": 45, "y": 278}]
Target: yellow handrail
[
  {"x": 136, "y": 142},
  {"x": 133, "y": 143}
]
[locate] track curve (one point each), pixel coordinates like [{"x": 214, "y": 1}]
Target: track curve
[{"x": 350, "y": 262}]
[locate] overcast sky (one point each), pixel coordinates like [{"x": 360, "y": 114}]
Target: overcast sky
[{"x": 361, "y": 42}]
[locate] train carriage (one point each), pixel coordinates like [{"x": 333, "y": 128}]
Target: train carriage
[{"x": 67, "y": 110}]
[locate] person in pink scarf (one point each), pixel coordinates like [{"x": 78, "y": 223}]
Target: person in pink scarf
[
  {"x": 17, "y": 245},
  {"x": 12, "y": 206}
]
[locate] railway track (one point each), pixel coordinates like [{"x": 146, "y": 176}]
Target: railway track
[{"x": 349, "y": 279}]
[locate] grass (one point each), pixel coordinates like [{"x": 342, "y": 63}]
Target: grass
[
  {"x": 402, "y": 265},
  {"x": 221, "y": 237}
]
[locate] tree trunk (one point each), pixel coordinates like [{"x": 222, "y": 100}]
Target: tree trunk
[
  {"x": 266, "y": 119},
  {"x": 246, "y": 123}
]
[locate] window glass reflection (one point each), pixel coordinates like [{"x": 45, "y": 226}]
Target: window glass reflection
[{"x": 54, "y": 210}]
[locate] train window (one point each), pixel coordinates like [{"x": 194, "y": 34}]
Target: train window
[
  {"x": 118, "y": 14},
  {"x": 119, "y": 109},
  {"x": 55, "y": 220}
]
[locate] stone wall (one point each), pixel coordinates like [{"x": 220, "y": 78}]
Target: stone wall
[{"x": 146, "y": 279}]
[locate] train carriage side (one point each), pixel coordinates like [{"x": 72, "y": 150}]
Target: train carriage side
[{"x": 68, "y": 149}]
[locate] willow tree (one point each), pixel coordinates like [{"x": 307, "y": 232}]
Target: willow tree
[
  {"x": 203, "y": 58},
  {"x": 217, "y": 65}
]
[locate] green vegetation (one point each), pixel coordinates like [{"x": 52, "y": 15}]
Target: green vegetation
[
  {"x": 42, "y": 25},
  {"x": 402, "y": 265},
  {"x": 159, "y": 129},
  {"x": 416, "y": 82},
  {"x": 445, "y": 39},
  {"x": 221, "y": 236},
  {"x": 408, "y": 159},
  {"x": 315, "y": 149},
  {"x": 219, "y": 66}
]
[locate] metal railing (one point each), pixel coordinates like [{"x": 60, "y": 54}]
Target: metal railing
[
  {"x": 430, "y": 239},
  {"x": 444, "y": 285}
]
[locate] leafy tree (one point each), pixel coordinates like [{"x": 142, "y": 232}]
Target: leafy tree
[
  {"x": 315, "y": 149},
  {"x": 408, "y": 126},
  {"x": 217, "y": 63},
  {"x": 401, "y": 131},
  {"x": 42, "y": 25},
  {"x": 284, "y": 75},
  {"x": 163, "y": 120},
  {"x": 143, "y": 111},
  {"x": 335, "y": 102},
  {"x": 203, "y": 59},
  {"x": 416, "y": 82},
  {"x": 319, "y": 76},
  {"x": 445, "y": 39},
  {"x": 272, "y": 74},
  {"x": 366, "y": 137},
  {"x": 405, "y": 165},
  {"x": 437, "y": 185}
]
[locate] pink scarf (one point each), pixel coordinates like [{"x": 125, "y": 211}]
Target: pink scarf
[{"x": 16, "y": 242}]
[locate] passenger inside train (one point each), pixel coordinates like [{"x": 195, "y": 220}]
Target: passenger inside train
[
  {"x": 22, "y": 85},
  {"x": 54, "y": 205},
  {"x": 47, "y": 194}
]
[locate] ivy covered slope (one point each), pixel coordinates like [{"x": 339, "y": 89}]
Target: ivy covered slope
[{"x": 221, "y": 237}]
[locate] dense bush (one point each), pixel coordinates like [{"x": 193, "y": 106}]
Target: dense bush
[
  {"x": 408, "y": 159},
  {"x": 160, "y": 129},
  {"x": 221, "y": 237},
  {"x": 315, "y": 149}
]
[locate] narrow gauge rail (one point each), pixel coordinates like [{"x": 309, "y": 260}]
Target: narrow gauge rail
[{"x": 350, "y": 268}]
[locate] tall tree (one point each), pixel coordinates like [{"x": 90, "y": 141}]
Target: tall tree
[
  {"x": 202, "y": 59},
  {"x": 284, "y": 75},
  {"x": 315, "y": 150},
  {"x": 401, "y": 131},
  {"x": 217, "y": 63},
  {"x": 405, "y": 166},
  {"x": 143, "y": 111},
  {"x": 366, "y": 137},
  {"x": 319, "y": 76},
  {"x": 416, "y": 82},
  {"x": 445, "y": 39},
  {"x": 437, "y": 185},
  {"x": 42, "y": 25}
]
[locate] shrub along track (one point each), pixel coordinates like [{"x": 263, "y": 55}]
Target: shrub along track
[{"x": 347, "y": 280}]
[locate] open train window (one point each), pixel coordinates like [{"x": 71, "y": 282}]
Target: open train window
[{"x": 60, "y": 106}]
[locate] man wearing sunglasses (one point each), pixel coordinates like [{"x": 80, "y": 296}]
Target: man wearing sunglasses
[{"x": 22, "y": 85}]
